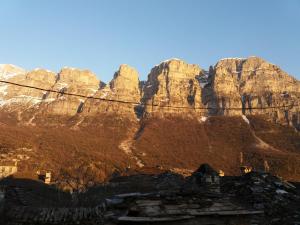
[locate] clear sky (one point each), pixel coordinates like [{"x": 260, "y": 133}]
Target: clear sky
[{"x": 102, "y": 34}]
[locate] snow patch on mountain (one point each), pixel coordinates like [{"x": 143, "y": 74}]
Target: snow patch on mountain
[
  {"x": 245, "y": 119},
  {"x": 168, "y": 60},
  {"x": 69, "y": 68},
  {"x": 3, "y": 89},
  {"x": 232, "y": 58},
  {"x": 21, "y": 99},
  {"x": 202, "y": 119},
  {"x": 8, "y": 71},
  {"x": 172, "y": 59}
]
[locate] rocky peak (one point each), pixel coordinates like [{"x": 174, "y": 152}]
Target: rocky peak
[
  {"x": 127, "y": 71},
  {"x": 75, "y": 81},
  {"x": 125, "y": 86},
  {"x": 232, "y": 65},
  {"x": 176, "y": 68},
  {"x": 8, "y": 71},
  {"x": 254, "y": 84},
  {"x": 77, "y": 76},
  {"x": 125, "y": 83},
  {"x": 72, "y": 80},
  {"x": 252, "y": 75},
  {"x": 269, "y": 77},
  {"x": 41, "y": 75},
  {"x": 20, "y": 98},
  {"x": 173, "y": 83},
  {"x": 253, "y": 65}
]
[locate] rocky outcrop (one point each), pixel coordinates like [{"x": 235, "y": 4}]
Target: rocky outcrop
[
  {"x": 7, "y": 71},
  {"x": 254, "y": 86},
  {"x": 122, "y": 94},
  {"x": 173, "y": 87},
  {"x": 51, "y": 100},
  {"x": 18, "y": 97},
  {"x": 125, "y": 84},
  {"x": 75, "y": 81}
]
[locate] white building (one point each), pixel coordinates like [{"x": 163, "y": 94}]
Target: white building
[{"x": 6, "y": 171}]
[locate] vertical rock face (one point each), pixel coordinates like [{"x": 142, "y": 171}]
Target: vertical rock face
[
  {"x": 7, "y": 71},
  {"x": 125, "y": 84},
  {"x": 17, "y": 97},
  {"x": 225, "y": 86},
  {"x": 70, "y": 80},
  {"x": 257, "y": 87},
  {"x": 173, "y": 87},
  {"x": 234, "y": 86},
  {"x": 123, "y": 88},
  {"x": 37, "y": 102}
]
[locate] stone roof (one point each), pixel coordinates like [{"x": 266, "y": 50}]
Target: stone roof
[
  {"x": 206, "y": 169},
  {"x": 256, "y": 196}
]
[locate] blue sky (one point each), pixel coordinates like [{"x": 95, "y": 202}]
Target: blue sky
[{"x": 102, "y": 34}]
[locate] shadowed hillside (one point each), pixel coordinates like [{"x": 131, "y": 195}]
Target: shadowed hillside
[
  {"x": 219, "y": 140},
  {"x": 87, "y": 154}
]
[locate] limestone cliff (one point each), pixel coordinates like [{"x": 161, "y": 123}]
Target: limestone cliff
[
  {"x": 18, "y": 97},
  {"x": 123, "y": 88},
  {"x": 70, "y": 80},
  {"x": 234, "y": 86},
  {"x": 173, "y": 87},
  {"x": 125, "y": 84},
  {"x": 254, "y": 86}
]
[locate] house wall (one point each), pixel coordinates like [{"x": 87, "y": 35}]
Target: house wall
[{"x": 6, "y": 171}]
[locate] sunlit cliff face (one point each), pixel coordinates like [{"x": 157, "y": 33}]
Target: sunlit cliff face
[{"x": 234, "y": 86}]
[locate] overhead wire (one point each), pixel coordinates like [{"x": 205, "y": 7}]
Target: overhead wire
[{"x": 140, "y": 103}]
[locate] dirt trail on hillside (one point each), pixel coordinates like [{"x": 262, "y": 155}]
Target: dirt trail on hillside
[
  {"x": 127, "y": 146},
  {"x": 259, "y": 142}
]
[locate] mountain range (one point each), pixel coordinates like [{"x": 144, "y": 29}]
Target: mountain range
[{"x": 84, "y": 130}]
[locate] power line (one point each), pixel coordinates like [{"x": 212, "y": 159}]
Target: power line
[
  {"x": 66, "y": 93},
  {"x": 143, "y": 104}
]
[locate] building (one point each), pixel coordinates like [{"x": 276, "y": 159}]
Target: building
[
  {"x": 208, "y": 178},
  {"x": 204, "y": 180},
  {"x": 245, "y": 169},
  {"x": 44, "y": 176},
  {"x": 7, "y": 170}
]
